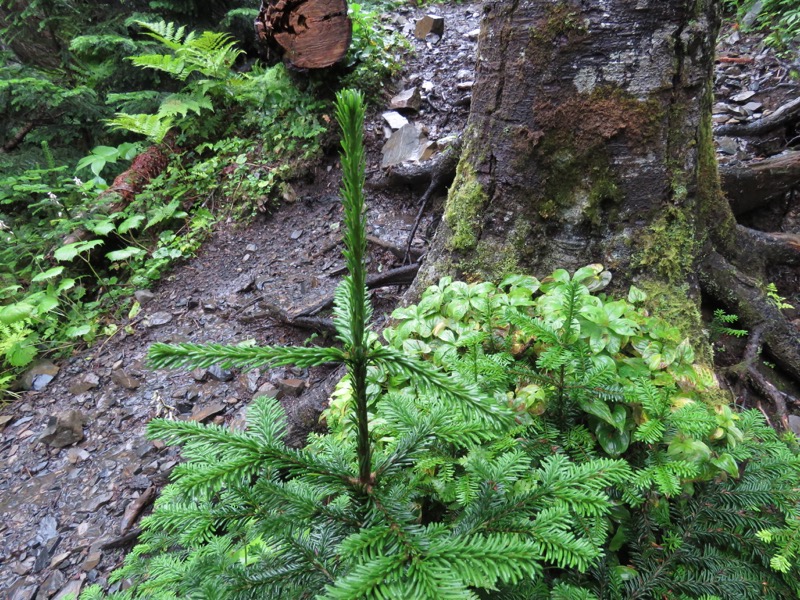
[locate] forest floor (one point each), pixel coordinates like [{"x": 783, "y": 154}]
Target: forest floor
[{"x": 68, "y": 514}]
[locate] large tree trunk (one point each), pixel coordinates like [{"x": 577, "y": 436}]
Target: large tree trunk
[{"x": 589, "y": 141}]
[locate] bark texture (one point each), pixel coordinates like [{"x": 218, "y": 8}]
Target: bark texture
[
  {"x": 309, "y": 34},
  {"x": 585, "y": 138}
]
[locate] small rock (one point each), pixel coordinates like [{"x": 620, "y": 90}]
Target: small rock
[
  {"x": 268, "y": 390},
  {"x": 753, "y": 107},
  {"x": 75, "y": 455},
  {"x": 407, "y": 99},
  {"x": 296, "y": 234},
  {"x": 249, "y": 380},
  {"x": 144, "y": 297},
  {"x": 45, "y": 552},
  {"x": 794, "y": 424},
  {"x": 473, "y": 34},
  {"x": 292, "y": 387},
  {"x": 429, "y": 24},
  {"x": 95, "y": 503},
  {"x": 243, "y": 283},
  {"x": 58, "y": 559},
  {"x": 727, "y": 145},
  {"x": 394, "y": 119},
  {"x": 750, "y": 17},
  {"x": 91, "y": 561},
  {"x": 71, "y": 590},
  {"x": 220, "y": 374},
  {"x": 5, "y": 420},
  {"x": 84, "y": 383},
  {"x": 465, "y": 85},
  {"x": 159, "y": 318},
  {"x": 405, "y": 144},
  {"x": 199, "y": 374},
  {"x": 123, "y": 379},
  {"x": 39, "y": 375},
  {"x": 743, "y": 96},
  {"x": 251, "y": 248},
  {"x": 22, "y": 592},
  {"x": 201, "y": 414},
  {"x": 51, "y": 585},
  {"x": 63, "y": 429}
]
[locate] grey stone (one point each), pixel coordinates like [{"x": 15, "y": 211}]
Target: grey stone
[
  {"x": 251, "y": 247},
  {"x": 794, "y": 424},
  {"x": 144, "y": 297},
  {"x": 406, "y": 100},
  {"x": 39, "y": 375},
  {"x": 743, "y": 96},
  {"x": 95, "y": 503},
  {"x": 292, "y": 387},
  {"x": 71, "y": 590},
  {"x": 63, "y": 429},
  {"x": 22, "y": 592},
  {"x": 123, "y": 379},
  {"x": 394, "y": 119},
  {"x": 753, "y": 106},
  {"x": 296, "y": 234},
  {"x": 220, "y": 374},
  {"x": 427, "y": 25},
  {"x": 51, "y": 585},
  {"x": 750, "y": 17},
  {"x": 159, "y": 318},
  {"x": 268, "y": 390},
  {"x": 84, "y": 383},
  {"x": 405, "y": 144},
  {"x": 727, "y": 145},
  {"x": 201, "y": 414}
]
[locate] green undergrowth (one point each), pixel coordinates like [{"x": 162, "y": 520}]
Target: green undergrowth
[
  {"x": 778, "y": 19},
  {"x": 522, "y": 439},
  {"x": 232, "y": 141}
]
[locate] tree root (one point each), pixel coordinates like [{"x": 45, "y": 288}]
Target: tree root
[
  {"x": 744, "y": 296},
  {"x": 16, "y": 140},
  {"x": 747, "y": 371},
  {"x": 779, "y": 118},
  {"x": 753, "y": 185},
  {"x": 769, "y": 248}
]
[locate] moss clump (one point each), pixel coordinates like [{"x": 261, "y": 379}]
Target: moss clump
[
  {"x": 493, "y": 259},
  {"x": 560, "y": 26},
  {"x": 669, "y": 248},
  {"x": 676, "y": 305},
  {"x": 464, "y": 205}
]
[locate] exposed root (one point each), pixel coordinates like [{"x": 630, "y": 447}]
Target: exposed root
[
  {"x": 754, "y": 184},
  {"x": 745, "y": 296},
  {"x": 779, "y": 118},
  {"x": 769, "y": 248}
]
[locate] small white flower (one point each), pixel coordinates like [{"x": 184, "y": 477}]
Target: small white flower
[
  {"x": 77, "y": 181},
  {"x": 59, "y": 213},
  {"x": 3, "y": 226},
  {"x": 52, "y": 196}
]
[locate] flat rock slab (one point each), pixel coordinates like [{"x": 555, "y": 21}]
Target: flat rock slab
[{"x": 63, "y": 429}]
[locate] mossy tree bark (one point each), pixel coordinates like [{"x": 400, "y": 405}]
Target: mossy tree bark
[{"x": 589, "y": 140}]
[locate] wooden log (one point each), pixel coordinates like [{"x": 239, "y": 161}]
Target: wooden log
[
  {"x": 144, "y": 168},
  {"x": 310, "y": 34},
  {"x": 751, "y": 185}
]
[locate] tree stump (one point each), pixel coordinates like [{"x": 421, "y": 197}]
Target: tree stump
[{"x": 309, "y": 34}]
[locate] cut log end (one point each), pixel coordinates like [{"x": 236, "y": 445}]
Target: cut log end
[{"x": 311, "y": 34}]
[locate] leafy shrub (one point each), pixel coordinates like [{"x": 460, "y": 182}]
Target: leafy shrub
[{"x": 779, "y": 18}]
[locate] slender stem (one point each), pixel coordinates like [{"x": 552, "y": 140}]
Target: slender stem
[{"x": 350, "y": 115}]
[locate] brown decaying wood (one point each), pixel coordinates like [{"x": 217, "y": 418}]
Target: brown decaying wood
[
  {"x": 312, "y": 34},
  {"x": 751, "y": 185},
  {"x": 126, "y": 186}
]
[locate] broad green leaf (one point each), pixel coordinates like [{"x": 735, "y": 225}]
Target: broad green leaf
[
  {"x": 78, "y": 330},
  {"x": 72, "y": 250},
  {"x": 599, "y": 409},
  {"x": 727, "y": 463},
  {"x": 130, "y": 223},
  {"x": 49, "y": 274},
  {"x": 124, "y": 254},
  {"x": 587, "y": 272},
  {"x": 636, "y": 295},
  {"x": 46, "y": 304},
  {"x": 100, "y": 227},
  {"x": 21, "y": 352},
  {"x": 612, "y": 440},
  {"x": 65, "y": 284},
  {"x": 19, "y": 311}
]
